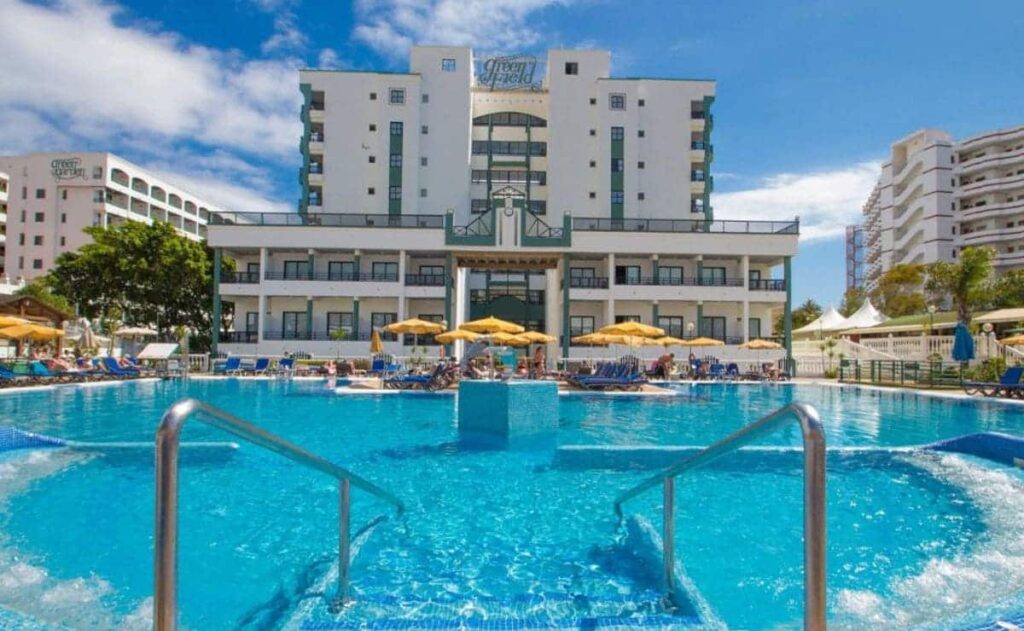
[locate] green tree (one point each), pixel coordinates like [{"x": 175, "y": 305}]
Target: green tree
[
  {"x": 806, "y": 313},
  {"x": 39, "y": 288},
  {"x": 142, "y": 275},
  {"x": 962, "y": 282},
  {"x": 899, "y": 290},
  {"x": 1005, "y": 291},
  {"x": 853, "y": 299}
]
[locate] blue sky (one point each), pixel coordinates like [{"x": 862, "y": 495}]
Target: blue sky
[{"x": 810, "y": 92}]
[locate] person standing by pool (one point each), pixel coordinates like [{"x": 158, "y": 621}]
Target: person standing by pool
[{"x": 538, "y": 362}]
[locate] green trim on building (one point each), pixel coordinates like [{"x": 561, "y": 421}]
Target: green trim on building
[
  {"x": 544, "y": 242},
  {"x": 309, "y": 316},
  {"x": 617, "y": 179},
  {"x": 449, "y": 281},
  {"x": 307, "y": 101},
  {"x": 215, "y": 317},
  {"x": 450, "y": 238},
  {"x": 355, "y": 318},
  {"x": 395, "y": 172},
  {"x": 709, "y": 155},
  {"x": 566, "y": 332},
  {"x": 700, "y": 319},
  {"x": 654, "y": 314},
  {"x": 309, "y": 266},
  {"x": 787, "y": 314}
]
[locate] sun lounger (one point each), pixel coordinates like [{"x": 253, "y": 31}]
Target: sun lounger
[
  {"x": 1009, "y": 384},
  {"x": 230, "y": 366},
  {"x": 110, "y": 365},
  {"x": 261, "y": 366}
]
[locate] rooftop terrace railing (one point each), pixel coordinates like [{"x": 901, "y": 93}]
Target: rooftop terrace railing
[
  {"x": 604, "y": 224},
  {"x": 330, "y": 220}
]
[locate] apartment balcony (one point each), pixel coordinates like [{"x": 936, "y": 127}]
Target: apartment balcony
[
  {"x": 974, "y": 143},
  {"x": 315, "y": 178},
  {"x": 697, "y": 187},
  {"x": 993, "y": 236},
  {"x": 989, "y": 211},
  {"x": 1000, "y": 160},
  {"x": 604, "y": 224},
  {"x": 698, "y": 124},
  {"x": 239, "y": 337},
  {"x": 340, "y": 285},
  {"x": 694, "y": 289},
  {"x": 316, "y": 115},
  {"x": 989, "y": 185}
]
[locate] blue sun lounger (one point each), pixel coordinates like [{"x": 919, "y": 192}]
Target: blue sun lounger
[
  {"x": 230, "y": 366},
  {"x": 1008, "y": 385},
  {"x": 110, "y": 365}
]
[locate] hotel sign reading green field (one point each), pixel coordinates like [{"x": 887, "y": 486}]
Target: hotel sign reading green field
[
  {"x": 511, "y": 72},
  {"x": 67, "y": 169}
]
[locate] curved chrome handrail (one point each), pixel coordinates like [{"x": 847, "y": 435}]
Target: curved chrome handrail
[
  {"x": 165, "y": 566},
  {"x": 814, "y": 498}
]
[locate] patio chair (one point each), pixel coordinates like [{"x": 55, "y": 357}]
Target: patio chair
[
  {"x": 230, "y": 366},
  {"x": 1009, "y": 384},
  {"x": 716, "y": 371},
  {"x": 261, "y": 366}
]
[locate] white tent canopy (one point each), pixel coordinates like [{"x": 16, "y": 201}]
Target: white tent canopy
[
  {"x": 831, "y": 320},
  {"x": 158, "y": 351},
  {"x": 864, "y": 317}
]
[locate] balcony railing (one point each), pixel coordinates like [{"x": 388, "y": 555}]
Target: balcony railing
[
  {"x": 531, "y": 296},
  {"x": 688, "y": 281},
  {"x": 425, "y": 280},
  {"x": 240, "y": 277},
  {"x": 603, "y": 224},
  {"x": 338, "y": 220},
  {"x": 696, "y": 176},
  {"x": 697, "y": 145},
  {"x": 336, "y": 276},
  {"x": 239, "y": 337},
  {"x": 595, "y": 282},
  {"x": 768, "y": 284}
]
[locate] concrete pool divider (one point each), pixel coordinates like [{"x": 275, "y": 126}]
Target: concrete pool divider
[
  {"x": 12, "y": 438},
  {"x": 996, "y": 447},
  {"x": 508, "y": 409}
]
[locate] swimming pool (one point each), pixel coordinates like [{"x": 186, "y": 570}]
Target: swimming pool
[{"x": 916, "y": 539}]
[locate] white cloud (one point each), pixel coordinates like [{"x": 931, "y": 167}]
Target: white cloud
[
  {"x": 391, "y": 26},
  {"x": 826, "y": 201},
  {"x": 225, "y": 180},
  {"x": 328, "y": 59},
  {"x": 98, "y": 79},
  {"x": 286, "y": 37}
]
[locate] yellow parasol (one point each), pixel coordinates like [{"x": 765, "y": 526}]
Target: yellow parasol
[
  {"x": 35, "y": 332},
  {"x": 761, "y": 345},
  {"x": 632, "y": 328},
  {"x": 455, "y": 336},
  {"x": 376, "y": 346},
  {"x": 591, "y": 339},
  {"x": 415, "y": 326},
  {"x": 492, "y": 325},
  {"x": 6, "y": 321},
  {"x": 1016, "y": 340},
  {"x": 703, "y": 341},
  {"x": 669, "y": 341},
  {"x": 536, "y": 337},
  {"x": 508, "y": 339}
]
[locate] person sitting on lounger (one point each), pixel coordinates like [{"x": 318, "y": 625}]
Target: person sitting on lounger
[
  {"x": 122, "y": 362},
  {"x": 331, "y": 368}
]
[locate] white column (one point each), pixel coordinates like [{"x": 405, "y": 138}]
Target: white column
[
  {"x": 745, "y": 322},
  {"x": 609, "y": 313},
  {"x": 401, "y": 291},
  {"x": 552, "y": 313},
  {"x": 261, "y": 308},
  {"x": 461, "y": 303}
]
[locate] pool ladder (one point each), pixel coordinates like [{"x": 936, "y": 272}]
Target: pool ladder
[
  {"x": 814, "y": 499},
  {"x": 165, "y": 597}
]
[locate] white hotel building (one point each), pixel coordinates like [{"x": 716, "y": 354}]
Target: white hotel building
[
  {"x": 459, "y": 190},
  {"x": 937, "y": 196},
  {"x": 52, "y": 197}
]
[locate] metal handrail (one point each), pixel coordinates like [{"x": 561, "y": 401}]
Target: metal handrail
[
  {"x": 814, "y": 498},
  {"x": 168, "y": 435}
]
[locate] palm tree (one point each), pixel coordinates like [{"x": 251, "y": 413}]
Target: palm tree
[{"x": 963, "y": 281}]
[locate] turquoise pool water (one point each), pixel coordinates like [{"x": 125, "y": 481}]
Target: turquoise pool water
[{"x": 922, "y": 540}]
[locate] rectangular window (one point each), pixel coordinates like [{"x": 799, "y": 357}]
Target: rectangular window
[
  {"x": 641, "y": 102},
  {"x": 21, "y": 239},
  {"x": 618, "y": 165},
  {"x": 381, "y": 320},
  {"x": 754, "y": 278},
  {"x": 618, "y": 133},
  {"x": 673, "y": 325},
  {"x": 581, "y": 325},
  {"x": 40, "y": 217},
  {"x": 593, "y": 101},
  {"x": 339, "y": 321},
  {"x": 97, "y": 196},
  {"x": 572, "y": 68},
  {"x": 63, "y": 217},
  {"x": 639, "y": 133},
  {"x": 670, "y": 275},
  {"x": 431, "y": 270},
  {"x": 713, "y": 327},
  {"x": 293, "y": 325},
  {"x": 97, "y": 173},
  {"x": 641, "y": 165},
  {"x": 640, "y": 196},
  {"x": 37, "y": 263},
  {"x": 37, "y": 240},
  {"x": 253, "y": 270},
  {"x": 423, "y": 192},
  {"x": 425, "y": 98},
  {"x": 64, "y": 194},
  {"x": 627, "y": 274},
  {"x": 372, "y": 159},
  {"x": 423, "y": 162},
  {"x": 396, "y": 129},
  {"x": 618, "y": 197},
  {"x": 40, "y": 193},
  {"x": 385, "y": 271},
  {"x": 447, "y": 65},
  {"x": 480, "y": 206},
  {"x": 617, "y": 101},
  {"x": 395, "y": 160},
  {"x": 371, "y": 191},
  {"x": 373, "y": 96},
  {"x": 538, "y": 206},
  {"x": 754, "y": 328},
  {"x": 395, "y": 192},
  {"x": 424, "y": 129},
  {"x": 396, "y": 96},
  {"x": 626, "y": 318},
  {"x": 296, "y": 270},
  {"x": 373, "y": 127},
  {"x": 21, "y": 262},
  {"x": 62, "y": 242},
  {"x": 712, "y": 276},
  {"x": 341, "y": 270},
  {"x": 24, "y": 192},
  {"x": 252, "y": 324}
]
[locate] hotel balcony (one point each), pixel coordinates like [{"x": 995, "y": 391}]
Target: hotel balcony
[{"x": 316, "y": 114}]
